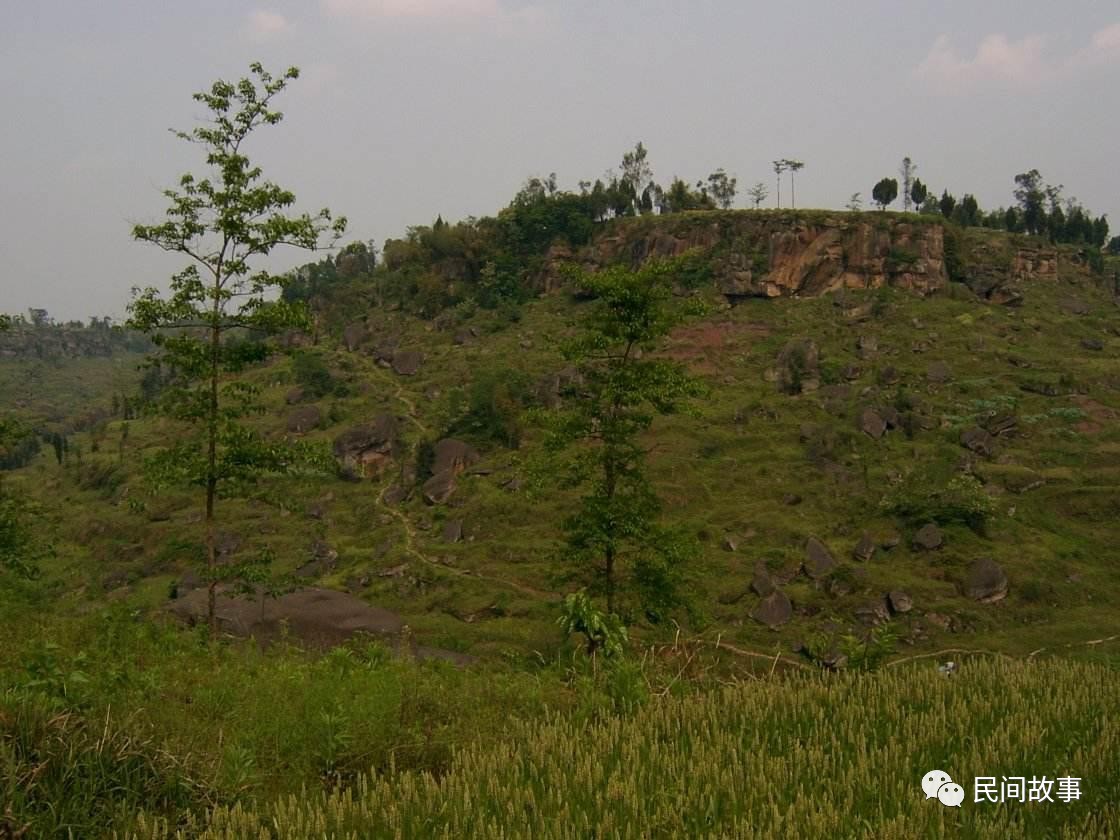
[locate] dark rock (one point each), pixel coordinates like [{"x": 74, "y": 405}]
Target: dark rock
[
  {"x": 938, "y": 372},
  {"x": 871, "y": 424},
  {"x": 1092, "y": 344},
  {"x": 439, "y": 488},
  {"x": 791, "y": 499},
  {"x": 367, "y": 449},
  {"x": 979, "y": 441},
  {"x": 774, "y": 610},
  {"x": 1001, "y": 425},
  {"x": 818, "y": 559},
  {"x": 304, "y": 419},
  {"x": 1075, "y": 307},
  {"x": 320, "y": 617},
  {"x": 838, "y": 586},
  {"x": 865, "y": 548},
  {"x": 986, "y": 581},
  {"x": 891, "y": 540},
  {"x": 453, "y": 455},
  {"x": 761, "y": 582},
  {"x": 929, "y": 537},
  {"x": 889, "y": 376},
  {"x": 394, "y": 495},
  {"x": 296, "y": 395},
  {"x": 407, "y": 362},
  {"x": 453, "y": 531},
  {"x": 873, "y": 614},
  {"x": 463, "y": 337},
  {"x": 868, "y": 345},
  {"x": 851, "y": 372},
  {"x": 899, "y": 601},
  {"x": 890, "y": 416}
]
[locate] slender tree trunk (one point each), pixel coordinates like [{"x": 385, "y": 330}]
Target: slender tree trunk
[
  {"x": 779, "y": 179},
  {"x": 211, "y": 468},
  {"x": 792, "y": 194}
]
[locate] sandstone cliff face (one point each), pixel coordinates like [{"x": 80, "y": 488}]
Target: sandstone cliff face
[{"x": 775, "y": 255}]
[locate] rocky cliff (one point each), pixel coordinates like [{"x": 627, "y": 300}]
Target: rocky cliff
[{"x": 791, "y": 254}]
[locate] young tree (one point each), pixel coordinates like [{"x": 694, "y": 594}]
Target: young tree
[
  {"x": 758, "y": 194},
  {"x": 636, "y": 172},
  {"x": 855, "y": 203},
  {"x": 918, "y": 193},
  {"x": 793, "y": 166},
  {"x": 779, "y": 168},
  {"x": 906, "y": 172},
  {"x": 722, "y": 188},
  {"x": 885, "y": 192},
  {"x": 220, "y": 222},
  {"x": 946, "y": 204},
  {"x": 615, "y": 542},
  {"x": 1030, "y": 193}
]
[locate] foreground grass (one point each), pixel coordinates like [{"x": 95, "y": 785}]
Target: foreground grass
[{"x": 811, "y": 756}]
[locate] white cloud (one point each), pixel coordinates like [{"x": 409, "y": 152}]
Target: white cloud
[
  {"x": 996, "y": 58},
  {"x": 263, "y": 24},
  {"x": 999, "y": 59},
  {"x": 1103, "y": 48},
  {"x": 374, "y": 9}
]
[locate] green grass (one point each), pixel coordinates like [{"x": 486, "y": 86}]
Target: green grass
[{"x": 813, "y": 756}]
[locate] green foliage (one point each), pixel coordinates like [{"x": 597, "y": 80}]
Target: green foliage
[
  {"x": 615, "y": 542},
  {"x": 22, "y": 545},
  {"x": 312, "y": 374},
  {"x": 495, "y": 400},
  {"x": 961, "y": 499},
  {"x": 602, "y": 632},
  {"x": 207, "y": 329},
  {"x": 885, "y": 192},
  {"x": 674, "y": 768}
]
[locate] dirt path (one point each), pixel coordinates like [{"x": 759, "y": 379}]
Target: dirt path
[{"x": 410, "y": 530}]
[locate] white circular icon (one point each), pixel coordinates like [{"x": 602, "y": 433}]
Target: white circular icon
[{"x": 932, "y": 781}]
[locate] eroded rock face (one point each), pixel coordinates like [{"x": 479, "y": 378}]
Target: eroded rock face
[{"x": 786, "y": 254}]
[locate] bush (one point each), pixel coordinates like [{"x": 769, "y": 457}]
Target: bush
[{"x": 961, "y": 500}]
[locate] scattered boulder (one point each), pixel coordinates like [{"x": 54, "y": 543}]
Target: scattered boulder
[
  {"x": 938, "y": 373},
  {"x": 868, "y": 346},
  {"x": 453, "y": 531},
  {"x": 798, "y": 362},
  {"x": 730, "y": 543},
  {"x": 899, "y": 601},
  {"x": 978, "y": 440},
  {"x": 865, "y": 548},
  {"x": 818, "y": 559},
  {"x": 366, "y": 449},
  {"x": 439, "y": 488},
  {"x": 463, "y": 337},
  {"x": 1092, "y": 344},
  {"x": 407, "y": 362},
  {"x": 851, "y": 372},
  {"x": 891, "y": 540},
  {"x": 791, "y": 499},
  {"x": 1075, "y": 306},
  {"x": 929, "y": 537},
  {"x": 453, "y": 455},
  {"x": 986, "y": 581},
  {"x": 774, "y": 610},
  {"x": 871, "y": 424},
  {"x": 873, "y": 614},
  {"x": 304, "y": 419},
  {"x": 320, "y": 617},
  {"x": 889, "y": 376},
  {"x": 296, "y": 395},
  {"x": 890, "y": 416},
  {"x": 761, "y": 582},
  {"x": 1001, "y": 425},
  {"x": 394, "y": 495}
]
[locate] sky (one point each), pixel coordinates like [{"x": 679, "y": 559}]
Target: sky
[{"x": 406, "y": 109}]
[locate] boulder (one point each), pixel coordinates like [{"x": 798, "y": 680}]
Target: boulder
[
  {"x": 978, "y": 440},
  {"x": 453, "y": 531},
  {"x": 818, "y": 559},
  {"x": 798, "y": 362},
  {"x": 365, "y": 449},
  {"x": 890, "y": 416},
  {"x": 304, "y": 419},
  {"x": 296, "y": 395},
  {"x": 774, "y": 610},
  {"x": 865, "y": 548},
  {"x": 1092, "y": 344},
  {"x": 871, "y": 424},
  {"x": 407, "y": 362},
  {"x": 730, "y": 543},
  {"x": 873, "y": 614},
  {"x": 439, "y": 488},
  {"x": 394, "y": 495},
  {"x": 320, "y": 617},
  {"x": 453, "y": 455},
  {"x": 929, "y": 537},
  {"x": 986, "y": 581},
  {"x": 938, "y": 373},
  {"x": 761, "y": 582},
  {"x": 889, "y": 376},
  {"x": 899, "y": 601}
]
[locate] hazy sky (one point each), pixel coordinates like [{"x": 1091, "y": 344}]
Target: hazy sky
[{"x": 409, "y": 108}]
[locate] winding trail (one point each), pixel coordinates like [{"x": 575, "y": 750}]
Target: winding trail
[{"x": 411, "y": 538}]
